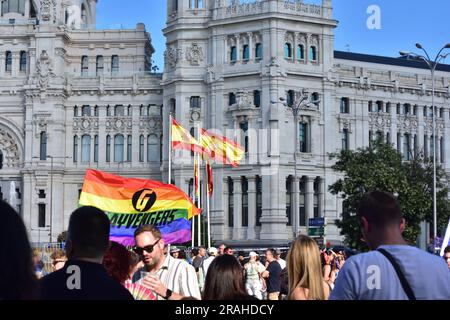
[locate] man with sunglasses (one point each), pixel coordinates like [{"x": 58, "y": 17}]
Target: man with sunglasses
[{"x": 169, "y": 279}]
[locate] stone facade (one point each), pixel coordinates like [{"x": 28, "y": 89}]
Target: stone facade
[{"x": 86, "y": 97}]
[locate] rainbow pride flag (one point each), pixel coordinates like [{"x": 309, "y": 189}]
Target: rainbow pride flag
[{"x": 130, "y": 203}]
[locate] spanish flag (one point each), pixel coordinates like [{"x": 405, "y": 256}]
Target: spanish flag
[
  {"x": 182, "y": 139},
  {"x": 209, "y": 177},
  {"x": 221, "y": 149},
  {"x": 130, "y": 203}
]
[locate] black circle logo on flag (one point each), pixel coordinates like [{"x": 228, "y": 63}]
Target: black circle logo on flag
[{"x": 143, "y": 200}]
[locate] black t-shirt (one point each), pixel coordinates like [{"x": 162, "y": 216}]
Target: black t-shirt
[
  {"x": 274, "y": 279},
  {"x": 197, "y": 263},
  {"x": 87, "y": 282}
]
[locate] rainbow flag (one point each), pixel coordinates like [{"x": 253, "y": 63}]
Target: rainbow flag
[{"x": 130, "y": 203}]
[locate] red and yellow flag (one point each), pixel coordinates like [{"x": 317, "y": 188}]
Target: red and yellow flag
[
  {"x": 209, "y": 176},
  {"x": 221, "y": 149},
  {"x": 182, "y": 139}
]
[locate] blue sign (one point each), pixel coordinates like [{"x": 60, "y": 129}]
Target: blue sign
[{"x": 316, "y": 222}]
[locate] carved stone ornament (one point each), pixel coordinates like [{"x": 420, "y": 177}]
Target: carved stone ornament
[
  {"x": 10, "y": 150},
  {"x": 172, "y": 56},
  {"x": 44, "y": 70},
  {"x": 244, "y": 100},
  {"x": 194, "y": 54}
]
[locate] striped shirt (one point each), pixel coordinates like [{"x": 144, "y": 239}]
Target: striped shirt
[{"x": 178, "y": 276}]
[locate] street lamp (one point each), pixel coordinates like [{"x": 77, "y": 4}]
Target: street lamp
[
  {"x": 302, "y": 101},
  {"x": 51, "y": 190},
  {"x": 432, "y": 65}
]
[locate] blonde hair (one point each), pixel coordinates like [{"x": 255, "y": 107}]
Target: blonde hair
[{"x": 305, "y": 268}]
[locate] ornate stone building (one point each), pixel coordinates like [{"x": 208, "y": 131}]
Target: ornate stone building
[{"x": 73, "y": 97}]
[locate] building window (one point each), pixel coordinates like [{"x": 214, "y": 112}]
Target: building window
[
  {"x": 41, "y": 209},
  {"x": 75, "y": 149},
  {"x": 8, "y": 61},
  {"x": 289, "y": 200},
  {"x": 119, "y": 111},
  {"x": 114, "y": 65},
  {"x": 195, "y": 102},
  {"x": 75, "y": 111},
  {"x": 442, "y": 149},
  {"x": 141, "y": 148},
  {"x": 108, "y": 111},
  {"x": 245, "y": 52},
  {"x": 95, "y": 148},
  {"x": 258, "y": 200},
  {"x": 129, "y": 111},
  {"x": 108, "y": 148},
  {"x": 99, "y": 65},
  {"x": 300, "y": 52},
  {"x": 17, "y": 6},
  {"x": 86, "y": 148},
  {"x": 41, "y": 194},
  {"x": 257, "y": 98},
  {"x": 43, "y": 146},
  {"x": 96, "y": 111},
  {"x": 118, "y": 148},
  {"x": 244, "y": 202},
  {"x": 233, "y": 54},
  {"x": 441, "y": 112},
  {"x": 379, "y": 106},
  {"x": 258, "y": 51},
  {"x": 425, "y": 146},
  {"x": 388, "y": 107},
  {"x": 432, "y": 141},
  {"x": 315, "y": 98},
  {"x": 345, "y": 139},
  {"x": 129, "y": 148},
  {"x": 303, "y": 137},
  {"x": 406, "y": 108},
  {"x": 231, "y": 98},
  {"x": 345, "y": 105},
  {"x": 152, "y": 148},
  {"x": 287, "y": 50},
  {"x": 84, "y": 65},
  {"x": 174, "y": 5},
  {"x": 23, "y": 61},
  {"x": 370, "y": 105},
  {"x": 379, "y": 136},
  {"x": 313, "y": 53},
  {"x": 195, "y": 4},
  {"x": 302, "y": 206},
  {"x": 244, "y": 127},
  {"x": 290, "y": 97},
  {"x": 406, "y": 147},
  {"x": 86, "y": 111},
  {"x": 230, "y": 203}
]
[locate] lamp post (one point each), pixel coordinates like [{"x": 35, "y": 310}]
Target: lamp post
[
  {"x": 432, "y": 65},
  {"x": 302, "y": 101}
]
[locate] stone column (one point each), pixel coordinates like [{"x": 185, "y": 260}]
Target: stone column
[
  {"x": 2, "y": 65},
  {"x": 135, "y": 135},
  {"x": 321, "y": 197},
  {"x": 15, "y": 63},
  {"x": 295, "y": 203},
  {"x": 309, "y": 198},
  {"x": 238, "y": 49},
  {"x": 393, "y": 112},
  {"x": 251, "y": 207},
  {"x": 237, "y": 208},
  {"x": 101, "y": 135},
  {"x": 250, "y": 46}
]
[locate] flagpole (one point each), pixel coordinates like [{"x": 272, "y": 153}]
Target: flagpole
[
  {"x": 208, "y": 209},
  {"x": 199, "y": 235},
  {"x": 170, "y": 148},
  {"x": 193, "y": 217}
]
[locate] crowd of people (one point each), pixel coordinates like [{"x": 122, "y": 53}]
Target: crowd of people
[{"x": 94, "y": 268}]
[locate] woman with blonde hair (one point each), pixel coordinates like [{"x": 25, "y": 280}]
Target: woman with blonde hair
[{"x": 305, "y": 271}]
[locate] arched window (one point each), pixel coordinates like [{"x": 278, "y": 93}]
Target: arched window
[
  {"x": 313, "y": 53},
  {"x": 119, "y": 110},
  {"x": 108, "y": 148},
  {"x": 43, "y": 146},
  {"x": 99, "y": 65},
  {"x": 23, "y": 61},
  {"x": 141, "y": 148},
  {"x": 303, "y": 137},
  {"x": 8, "y": 61},
  {"x": 83, "y": 16},
  {"x": 258, "y": 51},
  {"x": 301, "y": 52},
  {"x": 95, "y": 148},
  {"x": 118, "y": 148},
  {"x": 233, "y": 54},
  {"x": 115, "y": 65},
  {"x": 152, "y": 148},
  {"x": 75, "y": 149},
  {"x": 257, "y": 98},
  {"x": 287, "y": 50},
  {"x": 84, "y": 65},
  {"x": 86, "y": 148},
  {"x": 245, "y": 52},
  {"x": 129, "y": 148}
]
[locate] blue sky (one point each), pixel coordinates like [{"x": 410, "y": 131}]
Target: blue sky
[{"x": 403, "y": 23}]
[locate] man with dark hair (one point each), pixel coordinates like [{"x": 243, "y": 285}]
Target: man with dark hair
[
  {"x": 83, "y": 277},
  {"x": 169, "y": 278},
  {"x": 228, "y": 250},
  {"x": 393, "y": 270},
  {"x": 273, "y": 275},
  {"x": 221, "y": 249},
  {"x": 447, "y": 256}
]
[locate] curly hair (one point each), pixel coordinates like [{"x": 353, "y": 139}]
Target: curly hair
[{"x": 117, "y": 262}]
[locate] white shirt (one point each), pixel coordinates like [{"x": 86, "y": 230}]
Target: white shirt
[
  {"x": 206, "y": 264},
  {"x": 178, "y": 276},
  {"x": 371, "y": 276},
  {"x": 282, "y": 263}
]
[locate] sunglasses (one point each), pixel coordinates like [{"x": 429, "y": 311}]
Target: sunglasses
[{"x": 149, "y": 248}]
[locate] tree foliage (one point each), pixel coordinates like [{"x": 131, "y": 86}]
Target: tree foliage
[{"x": 381, "y": 167}]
